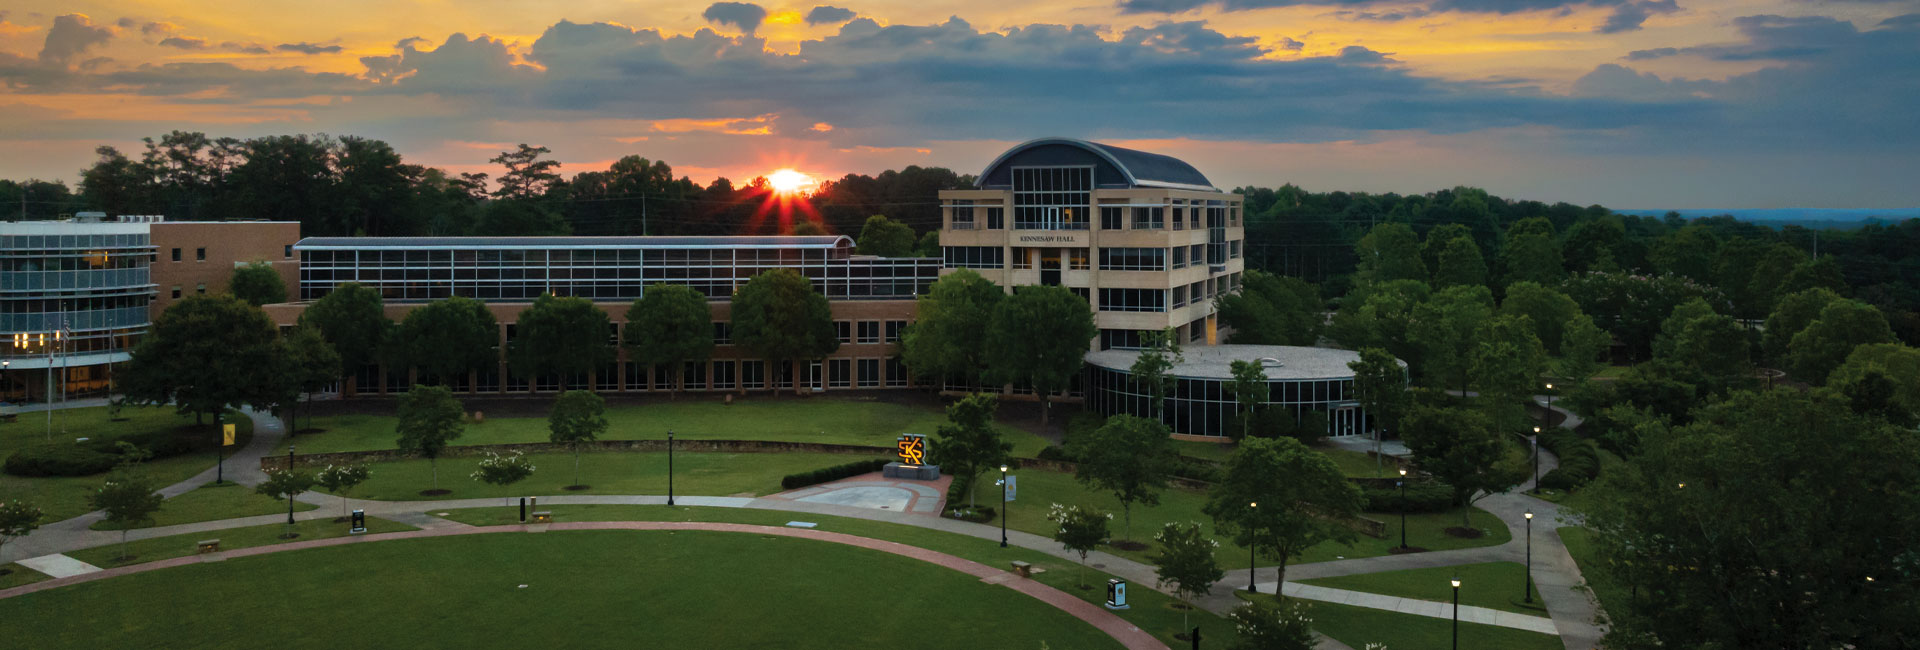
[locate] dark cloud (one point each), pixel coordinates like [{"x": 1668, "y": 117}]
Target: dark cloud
[
  {"x": 308, "y": 48},
  {"x": 243, "y": 48},
  {"x": 744, "y": 16},
  {"x": 1358, "y": 54},
  {"x": 152, "y": 28},
  {"x": 1383, "y": 16},
  {"x": 71, "y": 35},
  {"x": 123, "y": 22},
  {"x": 184, "y": 42},
  {"x": 1291, "y": 45},
  {"x": 1769, "y": 38},
  {"x": 1655, "y": 53},
  {"x": 829, "y": 15},
  {"x": 1904, "y": 20},
  {"x": 1628, "y": 17}
]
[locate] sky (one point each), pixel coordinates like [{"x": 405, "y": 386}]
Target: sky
[{"x": 1625, "y": 103}]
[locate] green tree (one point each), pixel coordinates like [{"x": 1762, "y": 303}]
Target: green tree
[
  {"x": 1461, "y": 265},
  {"x": 1159, "y": 353},
  {"x": 1794, "y": 313},
  {"x": 1825, "y": 343},
  {"x": 1436, "y": 243},
  {"x": 1381, "y": 316},
  {"x": 563, "y": 336},
  {"x": 429, "y": 419},
  {"x": 128, "y": 501},
  {"x": 503, "y": 471},
  {"x": 448, "y": 338},
  {"x": 1508, "y": 359},
  {"x": 578, "y": 418},
  {"x": 1186, "y": 564},
  {"x": 1079, "y": 531},
  {"x": 669, "y": 325},
  {"x": 1128, "y": 456},
  {"x": 1688, "y": 252},
  {"x": 1273, "y": 310},
  {"x": 308, "y": 364},
  {"x": 779, "y": 317},
  {"x": 519, "y": 218},
  {"x": 1388, "y": 252},
  {"x": 340, "y": 480},
  {"x": 1549, "y": 309},
  {"x": 1461, "y": 447},
  {"x": 1582, "y": 344},
  {"x": 929, "y": 245},
  {"x": 1444, "y": 328},
  {"x": 1710, "y": 346},
  {"x": 352, "y": 318},
  {"x": 1822, "y": 273},
  {"x": 17, "y": 518},
  {"x": 1250, "y": 389},
  {"x": 969, "y": 443},
  {"x": 1532, "y": 258},
  {"x": 1269, "y": 626},
  {"x": 1380, "y": 386},
  {"x": 949, "y": 337},
  {"x": 1283, "y": 498},
  {"x": 886, "y": 238},
  {"x": 1038, "y": 337},
  {"x": 1898, "y": 363},
  {"x": 205, "y": 354},
  {"x": 258, "y": 284},
  {"x": 286, "y": 484},
  {"x": 527, "y": 176},
  {"x": 1740, "y": 530}
]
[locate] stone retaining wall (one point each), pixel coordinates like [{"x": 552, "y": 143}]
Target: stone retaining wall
[{"x": 272, "y": 463}]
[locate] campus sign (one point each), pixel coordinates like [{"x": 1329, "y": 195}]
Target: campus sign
[
  {"x": 912, "y": 449},
  {"x": 1061, "y": 239}
]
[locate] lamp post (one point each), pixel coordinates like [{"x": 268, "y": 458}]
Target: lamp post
[
  {"x": 1549, "y": 417},
  {"x": 1456, "y": 613},
  {"x": 289, "y": 497},
  {"x": 1536, "y": 460},
  {"x": 669, "y": 468},
  {"x": 5, "y": 387},
  {"x": 1003, "y": 506},
  {"x": 1529, "y": 596},
  {"x": 1251, "y": 560},
  {"x": 1403, "y": 507}
]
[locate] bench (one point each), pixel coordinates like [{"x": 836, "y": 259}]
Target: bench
[
  {"x": 543, "y": 517},
  {"x": 1025, "y": 569},
  {"x": 207, "y": 545}
]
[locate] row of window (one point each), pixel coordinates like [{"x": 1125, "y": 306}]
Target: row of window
[
  {"x": 1205, "y": 407},
  {"x": 14, "y": 244},
  {"x": 1133, "y": 259},
  {"x": 973, "y": 257},
  {"x": 846, "y": 279},
  {"x": 1133, "y": 300},
  {"x": 545, "y": 258},
  {"x": 725, "y": 374}
]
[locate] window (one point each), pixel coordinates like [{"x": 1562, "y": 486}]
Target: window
[
  {"x": 1023, "y": 259},
  {"x": 1179, "y": 296},
  {"x": 1179, "y": 257},
  {"x": 869, "y": 331},
  {"x": 723, "y": 375},
  {"x": 287, "y": 251},
  {"x": 996, "y": 218},
  {"x": 176, "y": 292},
  {"x": 896, "y": 373},
  {"x": 1234, "y": 249},
  {"x": 839, "y": 373},
  {"x": 694, "y": 377},
  {"x": 1133, "y": 259},
  {"x": 1197, "y": 330},
  {"x": 200, "y": 255},
  {"x": 176, "y": 255},
  {"x": 1052, "y": 198},
  {"x": 1148, "y": 219},
  {"x": 1120, "y": 339},
  {"x": 844, "y": 330},
  {"x": 203, "y": 289},
  {"x": 1179, "y": 211},
  {"x": 1076, "y": 259},
  {"x": 1133, "y": 300},
  {"x": 753, "y": 374},
  {"x": 972, "y": 257},
  {"x": 722, "y": 333},
  {"x": 869, "y": 373},
  {"x": 963, "y": 214},
  {"x": 1111, "y": 218},
  {"x": 636, "y": 376},
  {"x": 662, "y": 377},
  {"x": 894, "y": 327}
]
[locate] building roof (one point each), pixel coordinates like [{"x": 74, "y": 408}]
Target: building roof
[
  {"x": 589, "y": 243},
  {"x": 1211, "y": 361},
  {"x": 1140, "y": 168}
]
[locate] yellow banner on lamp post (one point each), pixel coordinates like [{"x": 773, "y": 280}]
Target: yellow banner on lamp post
[{"x": 226, "y": 435}]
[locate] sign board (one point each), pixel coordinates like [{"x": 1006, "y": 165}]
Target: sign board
[
  {"x": 913, "y": 449},
  {"x": 1116, "y": 593},
  {"x": 226, "y": 435},
  {"x": 1013, "y": 487},
  {"x": 359, "y": 521}
]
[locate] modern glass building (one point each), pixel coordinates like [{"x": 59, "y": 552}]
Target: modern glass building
[
  {"x": 73, "y": 298},
  {"x": 1298, "y": 379}
]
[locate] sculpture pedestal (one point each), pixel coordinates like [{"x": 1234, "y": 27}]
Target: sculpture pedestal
[{"x": 911, "y": 472}]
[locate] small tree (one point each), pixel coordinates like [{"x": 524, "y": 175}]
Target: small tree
[
  {"x": 17, "y": 518},
  {"x": 1381, "y": 386},
  {"x": 447, "y": 338},
  {"x": 1267, "y": 626},
  {"x": 779, "y": 316},
  {"x": 1186, "y": 563},
  {"x": 352, "y": 318},
  {"x": 578, "y": 418},
  {"x": 430, "y": 418},
  {"x": 258, "y": 284},
  {"x": 1080, "y": 531},
  {"x": 307, "y": 364},
  {"x": 341, "y": 479},
  {"x": 885, "y": 237},
  {"x": 560, "y": 335},
  {"x": 1249, "y": 389},
  {"x": 670, "y": 325},
  {"x": 1128, "y": 456},
  {"x": 503, "y": 471},
  {"x": 1283, "y": 498},
  {"x": 1038, "y": 336},
  {"x": 128, "y": 500},
  {"x": 970, "y": 444},
  {"x": 1462, "y": 447},
  {"x": 286, "y": 484},
  {"x": 1160, "y": 352}
]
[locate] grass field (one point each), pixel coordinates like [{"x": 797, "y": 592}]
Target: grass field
[
  {"x": 1359, "y": 626},
  {"x": 1579, "y": 543},
  {"x": 161, "y": 548},
  {"x": 1493, "y": 585},
  {"x": 18, "y": 575},
  {"x": 823, "y": 420},
  {"x": 592, "y": 589},
  {"x": 706, "y": 474},
  {"x": 1039, "y": 489},
  {"x": 1357, "y": 464},
  {"x": 211, "y": 502},
  {"x": 1152, "y": 611},
  {"x": 63, "y": 497}
]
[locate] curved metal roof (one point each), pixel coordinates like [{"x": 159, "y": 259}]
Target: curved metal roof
[
  {"x": 471, "y": 243},
  {"x": 1141, "y": 168}
]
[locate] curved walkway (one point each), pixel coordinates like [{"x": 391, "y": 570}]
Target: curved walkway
[{"x": 1128, "y": 635}]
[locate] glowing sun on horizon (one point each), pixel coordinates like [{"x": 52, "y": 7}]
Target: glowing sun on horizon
[{"x": 788, "y": 181}]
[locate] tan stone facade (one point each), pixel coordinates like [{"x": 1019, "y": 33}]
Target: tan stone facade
[{"x": 198, "y": 257}]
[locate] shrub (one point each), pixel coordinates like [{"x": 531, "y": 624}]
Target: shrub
[
  {"x": 1579, "y": 459},
  {"x": 1197, "y": 470},
  {"x": 1055, "y": 453},
  {"x": 60, "y": 460},
  {"x": 834, "y": 473},
  {"x": 1422, "y": 496},
  {"x": 1558, "y": 479}
]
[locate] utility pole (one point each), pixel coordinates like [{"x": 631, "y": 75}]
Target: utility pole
[{"x": 643, "y": 215}]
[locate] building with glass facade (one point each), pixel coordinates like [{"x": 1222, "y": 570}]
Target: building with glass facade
[{"x": 1299, "y": 379}]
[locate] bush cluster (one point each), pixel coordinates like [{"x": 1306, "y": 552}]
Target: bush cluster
[
  {"x": 1579, "y": 460},
  {"x": 1422, "y": 496},
  {"x": 90, "y": 457},
  {"x": 834, "y": 473},
  {"x": 1187, "y": 467}
]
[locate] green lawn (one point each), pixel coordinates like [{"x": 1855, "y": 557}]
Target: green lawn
[
  {"x": 18, "y": 575},
  {"x": 1356, "y": 464},
  {"x": 707, "y": 474},
  {"x": 588, "y": 589},
  {"x": 824, "y": 420},
  {"x": 214, "y": 501},
  {"x": 63, "y": 497},
  {"x": 1493, "y": 585},
  {"x": 1214, "y": 451},
  {"x": 161, "y": 548},
  {"x": 1359, "y": 626},
  {"x": 1038, "y": 489},
  {"x": 1152, "y": 611},
  {"x": 1579, "y": 541}
]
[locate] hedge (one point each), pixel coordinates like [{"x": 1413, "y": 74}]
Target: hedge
[
  {"x": 834, "y": 473},
  {"x": 92, "y": 456},
  {"x": 1187, "y": 467},
  {"x": 1579, "y": 460},
  {"x": 1421, "y": 496}
]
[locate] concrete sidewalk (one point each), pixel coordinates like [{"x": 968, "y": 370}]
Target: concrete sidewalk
[{"x": 1417, "y": 607}]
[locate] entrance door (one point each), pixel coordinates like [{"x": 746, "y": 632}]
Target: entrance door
[{"x": 1050, "y": 267}]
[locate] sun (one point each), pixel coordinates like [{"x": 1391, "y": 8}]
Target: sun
[{"x": 788, "y": 181}]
